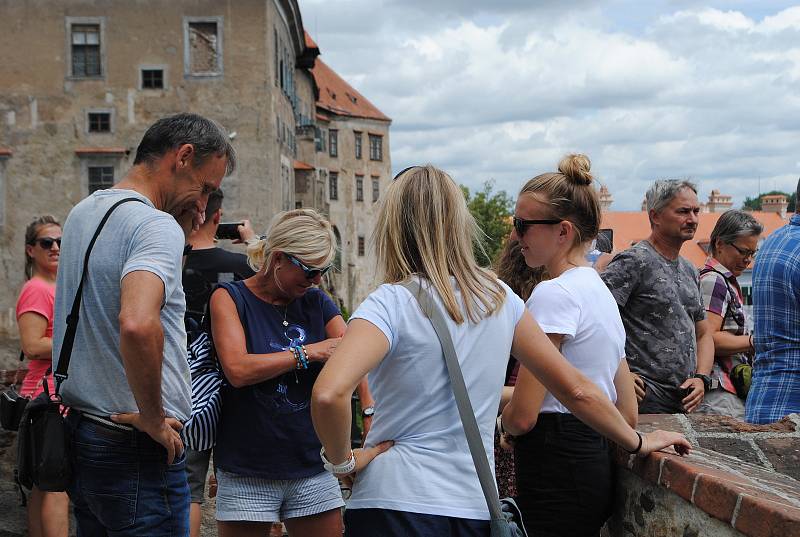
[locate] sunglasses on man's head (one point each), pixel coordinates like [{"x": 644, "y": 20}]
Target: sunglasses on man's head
[
  {"x": 521, "y": 225},
  {"x": 310, "y": 273},
  {"x": 46, "y": 242}
]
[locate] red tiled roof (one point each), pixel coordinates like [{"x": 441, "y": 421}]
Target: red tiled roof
[
  {"x": 323, "y": 117},
  {"x": 100, "y": 151},
  {"x": 300, "y": 165},
  {"x": 5, "y": 152},
  {"x": 632, "y": 226},
  {"x": 339, "y": 97},
  {"x": 310, "y": 42}
]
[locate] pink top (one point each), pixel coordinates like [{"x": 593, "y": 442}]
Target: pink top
[{"x": 37, "y": 296}]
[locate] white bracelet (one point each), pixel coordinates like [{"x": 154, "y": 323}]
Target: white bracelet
[{"x": 338, "y": 469}]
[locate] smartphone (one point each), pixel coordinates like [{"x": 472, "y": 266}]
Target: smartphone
[
  {"x": 605, "y": 240},
  {"x": 229, "y": 230}
]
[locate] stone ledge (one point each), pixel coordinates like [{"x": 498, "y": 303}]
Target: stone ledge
[{"x": 742, "y": 474}]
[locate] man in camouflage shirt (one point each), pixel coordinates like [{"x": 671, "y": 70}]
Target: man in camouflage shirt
[{"x": 669, "y": 348}]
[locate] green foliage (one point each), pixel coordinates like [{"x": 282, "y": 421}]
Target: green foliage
[
  {"x": 755, "y": 203},
  {"x": 492, "y": 211}
]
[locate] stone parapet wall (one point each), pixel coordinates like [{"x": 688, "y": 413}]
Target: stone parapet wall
[{"x": 744, "y": 475}]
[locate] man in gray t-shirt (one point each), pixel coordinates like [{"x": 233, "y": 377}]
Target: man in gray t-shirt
[
  {"x": 128, "y": 382},
  {"x": 669, "y": 349}
]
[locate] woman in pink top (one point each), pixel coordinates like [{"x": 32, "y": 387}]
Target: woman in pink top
[{"x": 47, "y": 511}]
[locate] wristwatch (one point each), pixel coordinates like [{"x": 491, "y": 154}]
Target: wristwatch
[
  {"x": 368, "y": 411},
  {"x": 707, "y": 384}
]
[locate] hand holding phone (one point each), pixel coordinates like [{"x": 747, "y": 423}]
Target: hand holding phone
[{"x": 229, "y": 231}]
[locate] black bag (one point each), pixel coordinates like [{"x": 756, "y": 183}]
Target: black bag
[
  {"x": 43, "y": 441},
  {"x": 12, "y": 406}
]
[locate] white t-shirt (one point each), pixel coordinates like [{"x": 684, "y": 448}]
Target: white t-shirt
[
  {"x": 429, "y": 469},
  {"x": 578, "y": 305}
]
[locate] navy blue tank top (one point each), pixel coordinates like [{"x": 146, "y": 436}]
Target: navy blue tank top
[{"x": 265, "y": 429}]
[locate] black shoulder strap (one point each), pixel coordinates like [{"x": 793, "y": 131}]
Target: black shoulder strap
[{"x": 72, "y": 319}]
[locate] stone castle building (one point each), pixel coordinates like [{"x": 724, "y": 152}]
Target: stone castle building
[{"x": 96, "y": 73}]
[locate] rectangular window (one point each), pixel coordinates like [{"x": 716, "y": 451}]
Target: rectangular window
[
  {"x": 376, "y": 188},
  {"x": 99, "y": 122},
  {"x": 319, "y": 139},
  {"x": 375, "y": 147},
  {"x": 152, "y": 79},
  {"x": 298, "y": 205},
  {"x": 85, "y": 49},
  {"x": 100, "y": 177},
  {"x": 202, "y": 54},
  {"x": 357, "y": 136},
  {"x": 359, "y": 188},
  {"x": 361, "y": 245},
  {"x": 333, "y": 185},
  {"x": 333, "y": 146}
]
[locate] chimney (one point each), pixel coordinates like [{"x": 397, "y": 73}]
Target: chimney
[
  {"x": 775, "y": 203},
  {"x": 606, "y": 199}
]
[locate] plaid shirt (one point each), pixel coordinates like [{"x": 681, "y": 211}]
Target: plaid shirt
[
  {"x": 718, "y": 298},
  {"x": 775, "y": 391}
]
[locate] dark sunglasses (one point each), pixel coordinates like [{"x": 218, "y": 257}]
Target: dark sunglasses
[
  {"x": 310, "y": 273},
  {"x": 521, "y": 225},
  {"x": 744, "y": 252},
  {"x": 46, "y": 242}
]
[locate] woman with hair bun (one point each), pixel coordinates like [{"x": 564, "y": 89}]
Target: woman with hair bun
[
  {"x": 272, "y": 333},
  {"x": 563, "y": 467}
]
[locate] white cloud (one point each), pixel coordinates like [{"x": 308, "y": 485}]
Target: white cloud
[{"x": 701, "y": 92}]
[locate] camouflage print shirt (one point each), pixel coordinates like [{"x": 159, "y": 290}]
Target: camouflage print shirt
[{"x": 659, "y": 301}]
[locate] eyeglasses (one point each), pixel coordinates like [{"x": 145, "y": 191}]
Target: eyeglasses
[
  {"x": 310, "y": 273},
  {"x": 47, "y": 242},
  {"x": 744, "y": 252},
  {"x": 521, "y": 225}
]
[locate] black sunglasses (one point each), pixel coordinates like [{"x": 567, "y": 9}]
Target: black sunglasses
[
  {"x": 310, "y": 273},
  {"x": 46, "y": 242},
  {"x": 521, "y": 225}
]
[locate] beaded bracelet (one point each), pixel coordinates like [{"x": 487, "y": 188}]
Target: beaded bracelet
[{"x": 300, "y": 357}]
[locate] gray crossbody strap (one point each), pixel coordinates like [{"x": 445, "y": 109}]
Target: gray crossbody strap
[{"x": 468, "y": 421}]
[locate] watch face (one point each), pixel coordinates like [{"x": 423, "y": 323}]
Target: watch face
[{"x": 367, "y": 412}]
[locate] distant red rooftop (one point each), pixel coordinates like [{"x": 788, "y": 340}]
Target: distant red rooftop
[
  {"x": 300, "y": 165},
  {"x": 339, "y": 97},
  {"x": 5, "y": 152}
]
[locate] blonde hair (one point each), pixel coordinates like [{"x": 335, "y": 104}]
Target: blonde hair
[
  {"x": 425, "y": 228},
  {"x": 302, "y": 233},
  {"x": 570, "y": 195}
]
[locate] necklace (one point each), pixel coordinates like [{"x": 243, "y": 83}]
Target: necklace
[{"x": 285, "y": 311}]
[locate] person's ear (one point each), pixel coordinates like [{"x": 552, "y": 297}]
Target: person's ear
[
  {"x": 217, "y": 217},
  {"x": 29, "y": 249},
  {"x": 184, "y": 156}
]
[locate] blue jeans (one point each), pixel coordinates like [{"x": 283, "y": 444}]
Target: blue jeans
[{"x": 122, "y": 485}]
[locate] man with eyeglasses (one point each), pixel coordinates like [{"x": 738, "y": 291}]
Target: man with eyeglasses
[
  {"x": 669, "y": 348},
  {"x": 775, "y": 389}
]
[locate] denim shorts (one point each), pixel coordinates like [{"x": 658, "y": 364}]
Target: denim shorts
[
  {"x": 197, "y": 473},
  {"x": 253, "y": 499},
  {"x": 122, "y": 484}
]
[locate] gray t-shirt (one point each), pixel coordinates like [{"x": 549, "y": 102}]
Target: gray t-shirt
[
  {"x": 136, "y": 237},
  {"x": 660, "y": 302}
]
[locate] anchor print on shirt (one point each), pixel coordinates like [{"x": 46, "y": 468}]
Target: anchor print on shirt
[{"x": 289, "y": 396}]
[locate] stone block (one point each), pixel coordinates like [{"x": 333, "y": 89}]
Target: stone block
[
  {"x": 783, "y": 454},
  {"x": 735, "y": 447},
  {"x": 712, "y": 423},
  {"x": 666, "y": 422}
]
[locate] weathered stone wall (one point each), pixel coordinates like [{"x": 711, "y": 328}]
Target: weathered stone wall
[{"x": 43, "y": 110}]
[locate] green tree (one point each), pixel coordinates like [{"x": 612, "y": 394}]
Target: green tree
[
  {"x": 755, "y": 203},
  {"x": 492, "y": 211}
]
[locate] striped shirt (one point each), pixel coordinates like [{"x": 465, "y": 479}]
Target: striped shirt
[
  {"x": 723, "y": 296},
  {"x": 775, "y": 390}
]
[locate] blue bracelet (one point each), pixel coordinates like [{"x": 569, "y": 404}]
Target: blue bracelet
[{"x": 300, "y": 356}]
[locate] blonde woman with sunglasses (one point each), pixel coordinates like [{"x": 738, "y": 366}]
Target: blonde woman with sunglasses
[{"x": 273, "y": 332}]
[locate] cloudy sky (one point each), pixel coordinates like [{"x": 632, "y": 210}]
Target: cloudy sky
[{"x": 502, "y": 89}]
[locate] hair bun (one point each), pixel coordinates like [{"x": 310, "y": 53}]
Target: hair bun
[{"x": 576, "y": 167}]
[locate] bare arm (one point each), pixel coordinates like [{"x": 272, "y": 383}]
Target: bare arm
[
  {"x": 521, "y": 413},
  {"x": 141, "y": 343},
  {"x": 626, "y": 395},
  {"x": 242, "y": 368},
  {"x": 705, "y": 347},
  {"x": 32, "y": 330},
  {"x": 725, "y": 343},
  {"x": 505, "y": 397},
  {"x": 585, "y": 400},
  {"x": 362, "y": 348}
]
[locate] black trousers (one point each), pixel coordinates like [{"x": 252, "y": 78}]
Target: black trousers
[
  {"x": 564, "y": 478},
  {"x": 390, "y": 523}
]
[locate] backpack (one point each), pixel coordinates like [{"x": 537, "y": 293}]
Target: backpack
[{"x": 200, "y": 430}]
